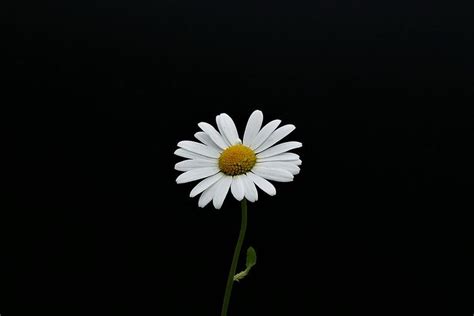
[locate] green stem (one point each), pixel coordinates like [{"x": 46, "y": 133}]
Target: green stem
[{"x": 235, "y": 259}]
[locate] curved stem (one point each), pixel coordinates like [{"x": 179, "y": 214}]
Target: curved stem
[{"x": 235, "y": 259}]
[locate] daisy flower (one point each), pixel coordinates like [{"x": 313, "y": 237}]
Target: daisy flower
[{"x": 223, "y": 162}]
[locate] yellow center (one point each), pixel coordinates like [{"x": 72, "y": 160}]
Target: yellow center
[{"x": 237, "y": 159}]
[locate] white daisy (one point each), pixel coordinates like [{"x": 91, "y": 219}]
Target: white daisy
[{"x": 225, "y": 162}]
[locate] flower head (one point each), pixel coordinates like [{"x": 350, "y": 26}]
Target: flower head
[{"x": 223, "y": 161}]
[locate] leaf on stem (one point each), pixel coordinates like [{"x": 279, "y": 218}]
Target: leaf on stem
[{"x": 250, "y": 262}]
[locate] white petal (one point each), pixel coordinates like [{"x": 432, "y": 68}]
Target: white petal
[
  {"x": 208, "y": 195},
  {"x": 296, "y": 162},
  {"x": 196, "y": 174},
  {"x": 228, "y": 128},
  {"x": 204, "y": 184},
  {"x": 213, "y": 134},
  {"x": 278, "y": 149},
  {"x": 266, "y": 131},
  {"x": 199, "y": 148},
  {"x": 186, "y": 165},
  {"x": 281, "y": 157},
  {"x": 188, "y": 154},
  {"x": 206, "y": 140},
  {"x": 291, "y": 167},
  {"x": 263, "y": 184},
  {"x": 251, "y": 193},
  {"x": 221, "y": 191},
  {"x": 275, "y": 137},
  {"x": 237, "y": 188},
  {"x": 275, "y": 174},
  {"x": 220, "y": 126},
  {"x": 253, "y": 127}
]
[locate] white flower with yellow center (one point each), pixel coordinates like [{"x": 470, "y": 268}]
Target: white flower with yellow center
[{"x": 225, "y": 162}]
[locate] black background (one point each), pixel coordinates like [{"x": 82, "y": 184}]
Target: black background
[{"x": 377, "y": 223}]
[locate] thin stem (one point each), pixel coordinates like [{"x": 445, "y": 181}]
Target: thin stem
[{"x": 235, "y": 259}]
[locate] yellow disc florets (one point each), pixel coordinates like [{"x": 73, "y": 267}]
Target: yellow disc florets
[{"x": 237, "y": 159}]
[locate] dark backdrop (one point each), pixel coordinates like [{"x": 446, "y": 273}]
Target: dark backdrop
[{"x": 377, "y": 223}]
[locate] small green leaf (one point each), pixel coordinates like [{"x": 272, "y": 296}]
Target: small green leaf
[
  {"x": 251, "y": 261},
  {"x": 251, "y": 258}
]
